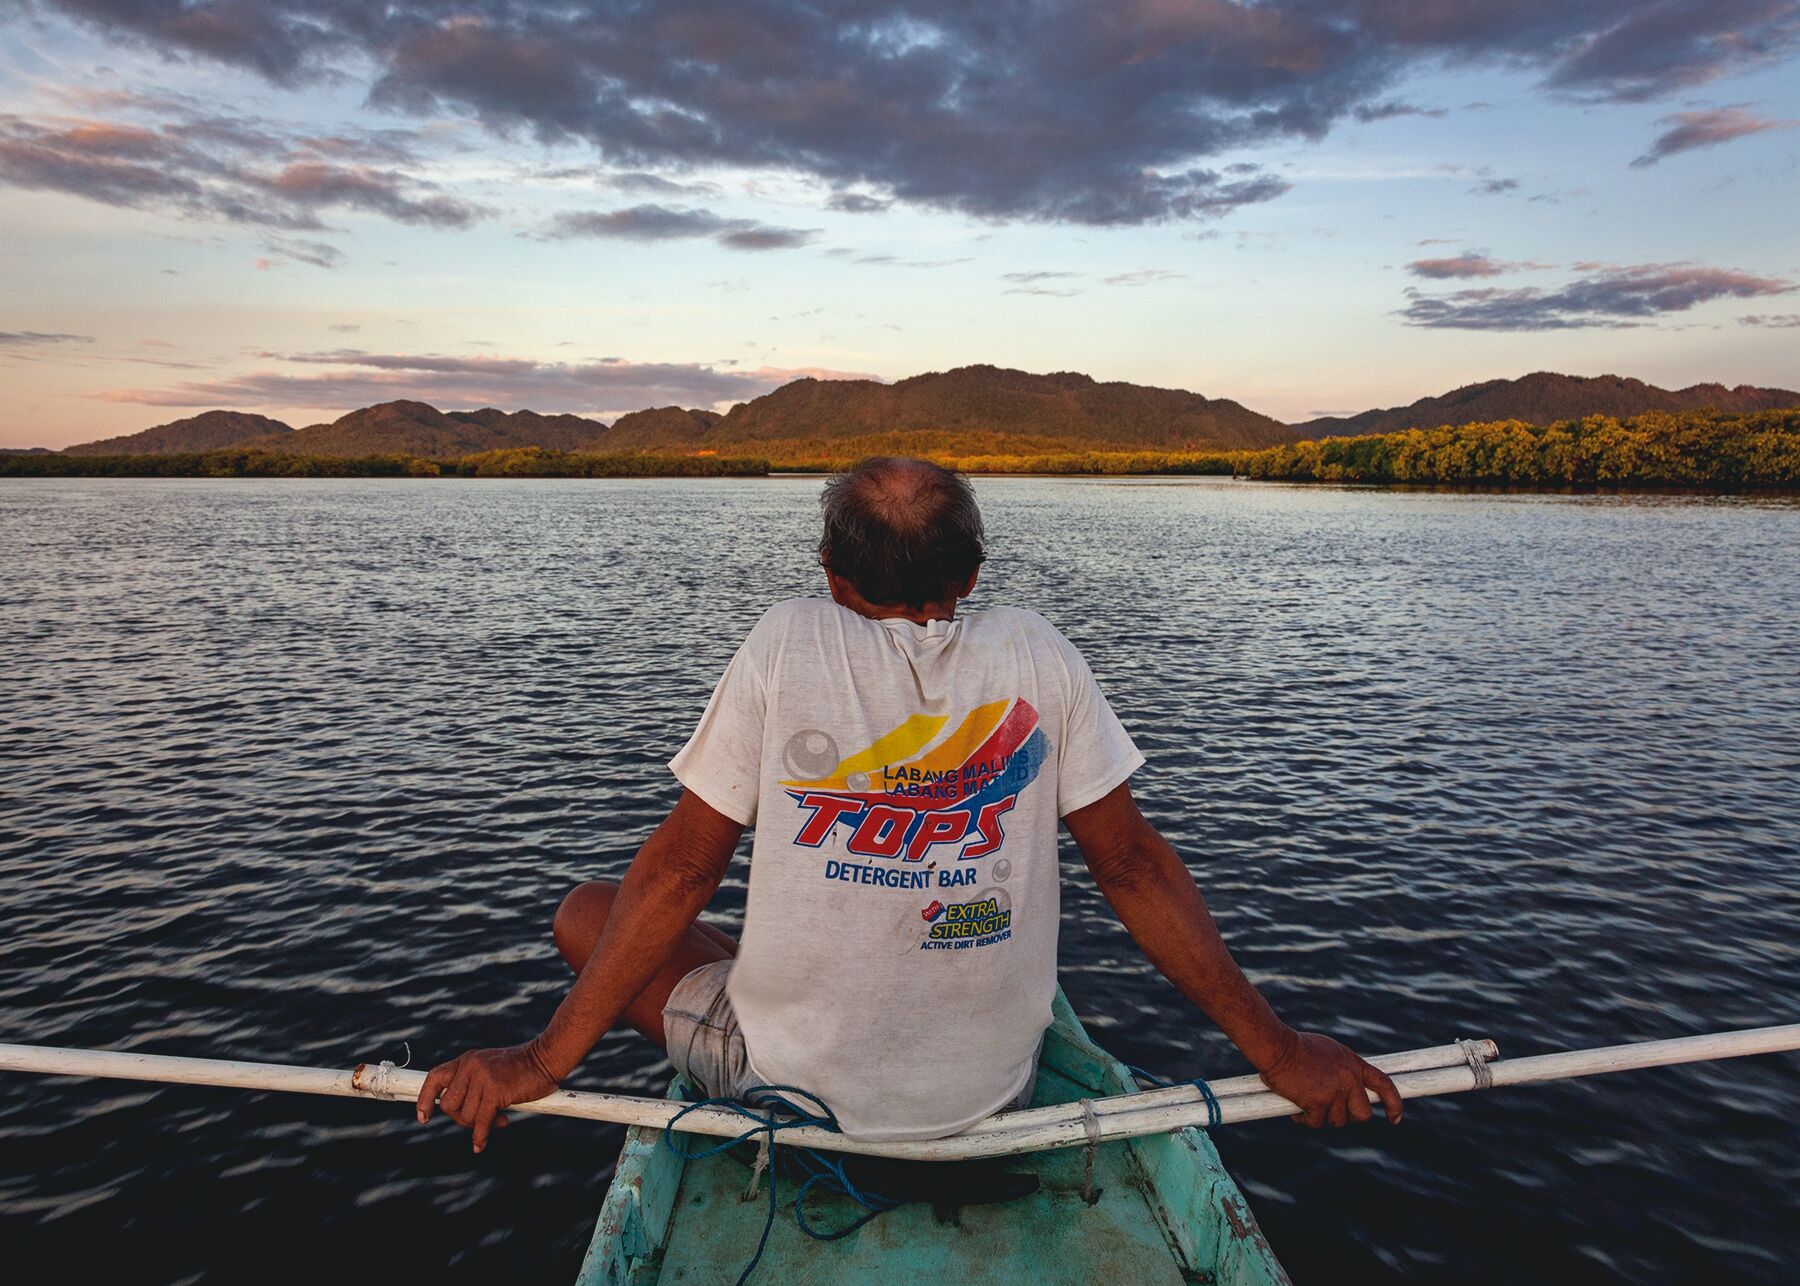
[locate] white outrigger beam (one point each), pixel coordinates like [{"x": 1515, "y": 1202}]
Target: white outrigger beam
[{"x": 1419, "y": 1073}]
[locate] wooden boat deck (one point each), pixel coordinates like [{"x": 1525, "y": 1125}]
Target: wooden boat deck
[{"x": 1166, "y": 1211}]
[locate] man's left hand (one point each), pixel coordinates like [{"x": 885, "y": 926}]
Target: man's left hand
[
  {"x": 473, "y": 1087},
  {"x": 1327, "y": 1082}
]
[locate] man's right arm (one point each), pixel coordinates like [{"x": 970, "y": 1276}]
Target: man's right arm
[{"x": 668, "y": 884}]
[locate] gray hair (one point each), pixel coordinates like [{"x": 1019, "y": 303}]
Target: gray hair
[{"x": 904, "y": 532}]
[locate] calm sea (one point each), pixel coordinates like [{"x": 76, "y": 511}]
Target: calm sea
[{"x": 298, "y": 771}]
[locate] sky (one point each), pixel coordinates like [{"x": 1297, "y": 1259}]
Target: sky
[{"x": 1311, "y": 207}]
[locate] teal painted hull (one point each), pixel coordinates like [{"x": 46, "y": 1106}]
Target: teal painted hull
[{"x": 1166, "y": 1211}]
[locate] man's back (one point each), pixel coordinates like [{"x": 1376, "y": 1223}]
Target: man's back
[
  {"x": 905, "y": 770},
  {"x": 905, "y": 781}
]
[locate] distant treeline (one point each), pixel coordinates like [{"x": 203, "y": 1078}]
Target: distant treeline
[
  {"x": 1676, "y": 450},
  {"x": 1659, "y": 450},
  {"x": 517, "y": 462}
]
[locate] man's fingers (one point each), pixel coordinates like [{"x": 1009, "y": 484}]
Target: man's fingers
[
  {"x": 451, "y": 1100},
  {"x": 1339, "y": 1115},
  {"x": 1359, "y": 1105},
  {"x": 481, "y": 1116},
  {"x": 1384, "y": 1088},
  {"x": 435, "y": 1081},
  {"x": 501, "y": 1120},
  {"x": 1313, "y": 1117}
]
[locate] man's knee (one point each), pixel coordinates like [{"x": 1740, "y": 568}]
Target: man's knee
[{"x": 581, "y": 917}]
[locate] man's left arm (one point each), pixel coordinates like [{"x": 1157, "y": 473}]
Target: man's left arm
[{"x": 1155, "y": 897}]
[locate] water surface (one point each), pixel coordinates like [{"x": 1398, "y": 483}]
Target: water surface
[{"x": 298, "y": 770}]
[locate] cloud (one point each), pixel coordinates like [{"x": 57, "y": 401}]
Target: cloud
[
  {"x": 1081, "y": 111},
  {"x": 659, "y": 185},
  {"x": 1689, "y": 130},
  {"x": 1039, "y": 282},
  {"x": 38, "y": 338},
  {"x": 1495, "y": 187},
  {"x": 1611, "y": 297},
  {"x": 1074, "y": 111},
  {"x": 1143, "y": 277},
  {"x": 668, "y": 223},
  {"x": 218, "y": 167},
  {"x": 609, "y": 386},
  {"x": 1470, "y": 263},
  {"x": 1774, "y": 321},
  {"x": 1672, "y": 44},
  {"x": 316, "y": 253},
  {"x": 1367, "y": 112},
  {"x": 857, "y": 203},
  {"x": 878, "y": 259}
]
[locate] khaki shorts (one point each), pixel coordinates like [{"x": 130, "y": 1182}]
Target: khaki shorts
[
  {"x": 707, "y": 1046},
  {"x": 703, "y": 1037}
]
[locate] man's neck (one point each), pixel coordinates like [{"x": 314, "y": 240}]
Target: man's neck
[
  {"x": 847, "y": 596},
  {"x": 921, "y": 616}
]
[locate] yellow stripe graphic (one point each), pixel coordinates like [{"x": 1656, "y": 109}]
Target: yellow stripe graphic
[
  {"x": 908, "y": 739},
  {"x": 962, "y": 743}
]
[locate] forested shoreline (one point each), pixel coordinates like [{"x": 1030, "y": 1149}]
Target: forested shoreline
[
  {"x": 515, "y": 462},
  {"x": 1659, "y": 450},
  {"x": 1655, "y": 451}
]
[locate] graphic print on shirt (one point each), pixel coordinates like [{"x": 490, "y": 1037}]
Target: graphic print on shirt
[{"x": 920, "y": 802}]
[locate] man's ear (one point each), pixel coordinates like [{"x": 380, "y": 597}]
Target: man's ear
[
  {"x": 836, "y": 585},
  {"x": 969, "y": 585}
]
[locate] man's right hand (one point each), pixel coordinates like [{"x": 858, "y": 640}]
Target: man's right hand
[
  {"x": 1327, "y": 1082},
  {"x": 474, "y": 1087}
]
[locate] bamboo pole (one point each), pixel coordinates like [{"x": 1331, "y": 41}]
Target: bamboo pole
[
  {"x": 384, "y": 1081},
  {"x": 1124, "y": 1116},
  {"x": 1412, "y": 1060}
]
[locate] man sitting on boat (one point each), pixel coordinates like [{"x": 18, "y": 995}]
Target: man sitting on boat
[{"x": 904, "y": 770}]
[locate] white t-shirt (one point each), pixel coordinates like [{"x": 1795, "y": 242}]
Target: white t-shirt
[{"x": 905, "y": 782}]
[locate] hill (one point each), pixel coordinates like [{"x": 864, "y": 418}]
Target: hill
[
  {"x": 1545, "y": 397},
  {"x": 1065, "y": 409},
  {"x": 416, "y": 429},
  {"x": 209, "y": 431},
  {"x": 661, "y": 428}
]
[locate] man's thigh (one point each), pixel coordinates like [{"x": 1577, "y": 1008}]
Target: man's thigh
[{"x": 582, "y": 917}]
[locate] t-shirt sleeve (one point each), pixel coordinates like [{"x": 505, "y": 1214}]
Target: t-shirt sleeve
[
  {"x": 722, "y": 761},
  {"x": 1096, "y": 752}
]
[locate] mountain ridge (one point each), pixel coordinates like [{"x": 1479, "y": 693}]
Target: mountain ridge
[
  {"x": 208, "y": 431},
  {"x": 407, "y": 427},
  {"x": 1543, "y": 397},
  {"x": 967, "y": 410}
]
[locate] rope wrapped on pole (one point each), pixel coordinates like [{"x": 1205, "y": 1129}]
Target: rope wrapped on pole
[{"x": 1445, "y": 1069}]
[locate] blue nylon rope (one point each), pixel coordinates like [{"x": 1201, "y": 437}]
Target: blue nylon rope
[
  {"x": 1214, "y": 1115},
  {"x": 760, "y": 1106}
]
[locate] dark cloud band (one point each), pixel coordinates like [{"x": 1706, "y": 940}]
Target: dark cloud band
[
  {"x": 1079, "y": 111},
  {"x": 669, "y": 223},
  {"x": 223, "y": 168},
  {"x": 345, "y": 378},
  {"x": 1608, "y": 297},
  {"x": 1690, "y": 130}
]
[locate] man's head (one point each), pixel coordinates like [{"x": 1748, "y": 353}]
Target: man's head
[{"x": 903, "y": 534}]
